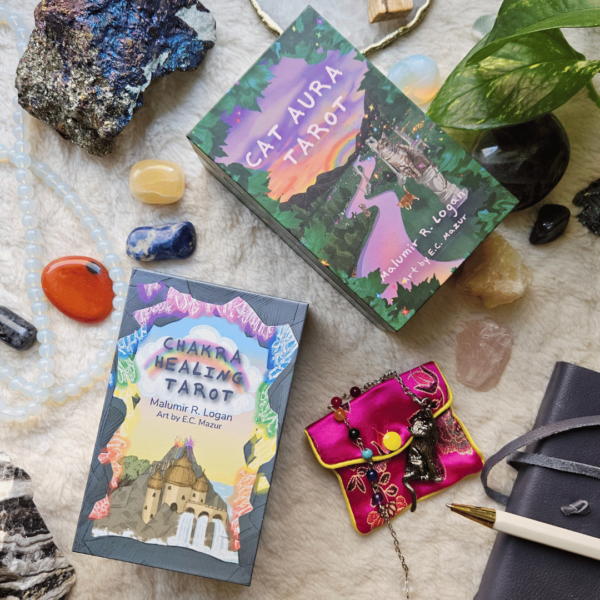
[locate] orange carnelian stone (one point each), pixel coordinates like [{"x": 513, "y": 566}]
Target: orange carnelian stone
[{"x": 79, "y": 287}]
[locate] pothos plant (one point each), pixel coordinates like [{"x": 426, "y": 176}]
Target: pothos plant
[{"x": 522, "y": 69}]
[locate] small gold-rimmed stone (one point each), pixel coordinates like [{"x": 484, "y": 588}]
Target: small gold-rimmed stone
[{"x": 157, "y": 181}]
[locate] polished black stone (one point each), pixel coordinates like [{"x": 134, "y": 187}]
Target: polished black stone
[
  {"x": 354, "y": 434},
  {"x": 589, "y": 200},
  {"x": 551, "y": 223},
  {"x": 527, "y": 159},
  {"x": 16, "y": 331}
]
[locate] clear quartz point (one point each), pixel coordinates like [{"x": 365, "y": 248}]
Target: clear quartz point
[
  {"x": 408, "y": 587},
  {"x": 482, "y": 26}
]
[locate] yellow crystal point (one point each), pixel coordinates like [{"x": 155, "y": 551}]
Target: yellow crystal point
[
  {"x": 157, "y": 181},
  {"x": 495, "y": 273}
]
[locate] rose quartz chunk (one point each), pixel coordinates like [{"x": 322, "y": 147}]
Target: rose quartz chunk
[{"x": 482, "y": 353}]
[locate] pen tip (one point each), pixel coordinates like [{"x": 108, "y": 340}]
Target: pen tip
[{"x": 484, "y": 516}]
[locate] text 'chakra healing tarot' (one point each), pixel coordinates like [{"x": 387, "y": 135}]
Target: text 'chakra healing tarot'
[
  {"x": 188, "y": 437},
  {"x": 349, "y": 172}
]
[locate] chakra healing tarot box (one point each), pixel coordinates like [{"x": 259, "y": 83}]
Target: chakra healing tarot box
[
  {"x": 351, "y": 174},
  {"x": 187, "y": 441}
]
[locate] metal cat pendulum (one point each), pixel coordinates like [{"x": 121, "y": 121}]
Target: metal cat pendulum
[{"x": 421, "y": 464}]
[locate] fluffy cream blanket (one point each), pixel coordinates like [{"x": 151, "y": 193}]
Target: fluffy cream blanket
[{"x": 308, "y": 549}]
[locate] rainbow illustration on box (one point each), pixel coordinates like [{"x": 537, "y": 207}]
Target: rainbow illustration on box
[
  {"x": 188, "y": 438},
  {"x": 356, "y": 178}
]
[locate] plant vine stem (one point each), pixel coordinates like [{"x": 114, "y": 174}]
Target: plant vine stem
[{"x": 595, "y": 97}]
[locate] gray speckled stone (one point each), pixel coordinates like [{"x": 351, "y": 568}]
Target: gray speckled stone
[{"x": 16, "y": 331}]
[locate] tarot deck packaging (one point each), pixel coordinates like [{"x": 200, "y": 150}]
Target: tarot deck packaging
[
  {"x": 351, "y": 174},
  {"x": 187, "y": 441}
]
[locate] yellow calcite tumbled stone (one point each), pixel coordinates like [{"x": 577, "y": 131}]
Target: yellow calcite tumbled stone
[
  {"x": 157, "y": 181},
  {"x": 495, "y": 273}
]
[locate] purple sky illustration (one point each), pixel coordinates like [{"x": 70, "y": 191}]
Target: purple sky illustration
[{"x": 292, "y": 78}]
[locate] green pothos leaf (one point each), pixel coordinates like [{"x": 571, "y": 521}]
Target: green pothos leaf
[
  {"x": 520, "y": 17},
  {"x": 524, "y": 79}
]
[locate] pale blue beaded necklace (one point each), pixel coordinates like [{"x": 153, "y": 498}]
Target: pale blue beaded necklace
[{"x": 44, "y": 390}]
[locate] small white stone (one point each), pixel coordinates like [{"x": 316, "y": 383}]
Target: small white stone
[{"x": 418, "y": 77}]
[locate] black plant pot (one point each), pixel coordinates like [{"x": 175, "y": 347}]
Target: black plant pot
[{"x": 527, "y": 159}]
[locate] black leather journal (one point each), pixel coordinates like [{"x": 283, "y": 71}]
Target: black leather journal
[{"x": 521, "y": 570}]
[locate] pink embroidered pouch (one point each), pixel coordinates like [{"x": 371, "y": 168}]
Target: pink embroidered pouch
[{"x": 383, "y": 409}]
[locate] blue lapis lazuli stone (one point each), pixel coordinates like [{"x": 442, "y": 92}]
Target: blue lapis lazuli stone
[
  {"x": 175, "y": 241},
  {"x": 367, "y": 454},
  {"x": 372, "y": 475}
]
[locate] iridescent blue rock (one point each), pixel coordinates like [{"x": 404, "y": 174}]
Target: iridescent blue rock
[
  {"x": 175, "y": 241},
  {"x": 88, "y": 62},
  {"x": 15, "y": 331}
]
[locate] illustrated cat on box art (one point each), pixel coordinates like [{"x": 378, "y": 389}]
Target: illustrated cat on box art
[{"x": 409, "y": 161}]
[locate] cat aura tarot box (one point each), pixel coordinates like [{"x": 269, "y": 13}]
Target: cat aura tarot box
[
  {"x": 187, "y": 441},
  {"x": 349, "y": 172}
]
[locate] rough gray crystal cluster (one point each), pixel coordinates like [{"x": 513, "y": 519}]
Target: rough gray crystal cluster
[
  {"x": 31, "y": 566},
  {"x": 88, "y": 62}
]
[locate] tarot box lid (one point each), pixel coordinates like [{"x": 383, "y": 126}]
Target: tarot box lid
[
  {"x": 349, "y": 172},
  {"x": 186, "y": 445}
]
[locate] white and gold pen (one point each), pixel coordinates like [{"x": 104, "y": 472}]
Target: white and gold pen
[{"x": 529, "y": 529}]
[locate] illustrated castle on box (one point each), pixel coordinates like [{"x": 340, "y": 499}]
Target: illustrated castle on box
[
  {"x": 182, "y": 491},
  {"x": 349, "y": 172},
  {"x": 176, "y": 501}
]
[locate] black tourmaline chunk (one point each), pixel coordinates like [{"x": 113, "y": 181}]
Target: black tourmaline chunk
[
  {"x": 16, "y": 331},
  {"x": 589, "y": 200},
  {"x": 527, "y": 159},
  {"x": 550, "y": 224}
]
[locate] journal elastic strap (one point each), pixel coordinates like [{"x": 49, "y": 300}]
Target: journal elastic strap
[{"x": 515, "y": 458}]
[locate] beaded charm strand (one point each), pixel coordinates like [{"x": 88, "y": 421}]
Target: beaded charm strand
[
  {"x": 43, "y": 390},
  {"x": 378, "y": 499}
]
